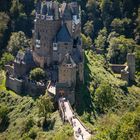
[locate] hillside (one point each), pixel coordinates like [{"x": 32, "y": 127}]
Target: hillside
[{"x": 108, "y": 106}]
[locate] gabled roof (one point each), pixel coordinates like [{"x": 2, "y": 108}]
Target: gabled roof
[
  {"x": 63, "y": 35},
  {"x": 68, "y": 61}
]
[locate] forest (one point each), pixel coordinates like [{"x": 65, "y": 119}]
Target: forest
[{"x": 107, "y": 105}]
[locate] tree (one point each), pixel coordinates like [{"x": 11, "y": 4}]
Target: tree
[
  {"x": 137, "y": 58},
  {"x": 122, "y": 26},
  {"x": 104, "y": 98},
  {"x": 3, "y": 117},
  {"x": 100, "y": 42},
  {"x": 118, "y": 49},
  {"x": 37, "y": 74},
  {"x": 6, "y": 58},
  {"x": 93, "y": 13},
  {"x": 17, "y": 41},
  {"x": 4, "y": 20},
  {"x": 137, "y": 30},
  {"x": 88, "y": 28},
  {"x": 45, "y": 106},
  {"x": 87, "y": 41},
  {"x": 16, "y": 9},
  {"x": 105, "y": 7}
]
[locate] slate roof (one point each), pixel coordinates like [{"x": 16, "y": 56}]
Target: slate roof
[
  {"x": 76, "y": 56},
  {"x": 68, "y": 60},
  {"x": 63, "y": 35}
]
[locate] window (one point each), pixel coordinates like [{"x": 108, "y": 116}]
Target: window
[{"x": 55, "y": 46}]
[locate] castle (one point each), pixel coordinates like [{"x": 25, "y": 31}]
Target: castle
[{"x": 57, "y": 48}]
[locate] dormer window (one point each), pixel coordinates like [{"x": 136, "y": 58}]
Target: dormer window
[
  {"x": 49, "y": 17},
  {"x": 55, "y": 46}
]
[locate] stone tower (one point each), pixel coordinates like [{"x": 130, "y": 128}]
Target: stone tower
[
  {"x": 131, "y": 66},
  {"x": 67, "y": 71},
  {"x": 47, "y": 24}
]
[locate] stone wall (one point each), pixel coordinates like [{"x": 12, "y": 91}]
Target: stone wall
[
  {"x": 19, "y": 69},
  {"x": 131, "y": 65},
  {"x": 24, "y": 86},
  {"x": 15, "y": 84},
  {"x": 67, "y": 75},
  {"x": 63, "y": 49},
  {"x": 34, "y": 89},
  {"x": 9, "y": 69},
  {"x": 125, "y": 74},
  {"x": 47, "y": 34},
  {"x": 116, "y": 68},
  {"x": 63, "y": 90}
]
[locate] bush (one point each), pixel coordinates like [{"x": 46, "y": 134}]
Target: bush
[
  {"x": 37, "y": 74},
  {"x": 3, "y": 117},
  {"x": 6, "y": 58},
  {"x": 104, "y": 98}
]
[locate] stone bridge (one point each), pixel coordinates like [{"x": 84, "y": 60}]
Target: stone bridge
[{"x": 67, "y": 114}]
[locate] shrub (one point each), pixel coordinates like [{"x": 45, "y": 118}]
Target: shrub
[
  {"x": 37, "y": 74},
  {"x": 6, "y": 58}
]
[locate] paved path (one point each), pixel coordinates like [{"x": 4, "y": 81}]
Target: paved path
[{"x": 80, "y": 132}]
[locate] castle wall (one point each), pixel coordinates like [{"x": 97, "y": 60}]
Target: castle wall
[
  {"x": 116, "y": 68},
  {"x": 63, "y": 49},
  {"x": 67, "y": 75},
  {"x": 81, "y": 72},
  {"x": 125, "y": 74},
  {"x": 9, "y": 69},
  {"x": 15, "y": 84},
  {"x": 19, "y": 69},
  {"x": 24, "y": 86},
  {"x": 47, "y": 30},
  {"x": 35, "y": 89},
  {"x": 66, "y": 92},
  {"x": 131, "y": 65}
]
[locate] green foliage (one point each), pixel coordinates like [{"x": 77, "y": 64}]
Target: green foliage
[
  {"x": 37, "y": 74},
  {"x": 45, "y": 106},
  {"x": 119, "y": 47},
  {"x": 4, "y": 119},
  {"x": 121, "y": 26},
  {"x": 17, "y": 41},
  {"x": 6, "y": 58},
  {"x": 16, "y": 8},
  {"x": 4, "y": 20},
  {"x": 88, "y": 28},
  {"x": 137, "y": 54},
  {"x": 119, "y": 128},
  {"x": 100, "y": 42},
  {"x": 103, "y": 97},
  {"x": 64, "y": 133},
  {"x": 87, "y": 42}
]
